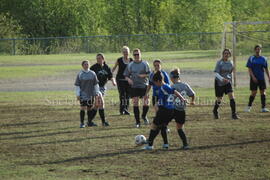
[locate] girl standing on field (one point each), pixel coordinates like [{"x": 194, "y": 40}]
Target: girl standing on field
[
  {"x": 104, "y": 74},
  {"x": 223, "y": 83},
  {"x": 122, "y": 83},
  {"x": 87, "y": 89}
]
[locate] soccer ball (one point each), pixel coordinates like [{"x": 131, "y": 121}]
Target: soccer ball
[{"x": 140, "y": 140}]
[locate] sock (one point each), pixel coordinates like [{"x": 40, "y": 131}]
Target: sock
[
  {"x": 251, "y": 99},
  {"x": 232, "y": 104},
  {"x": 217, "y": 104},
  {"x": 263, "y": 98},
  {"x": 153, "y": 134},
  {"x": 136, "y": 114},
  {"x": 164, "y": 135},
  {"x": 145, "y": 110},
  {"x": 91, "y": 115},
  {"x": 127, "y": 103},
  {"x": 183, "y": 137},
  {"x": 102, "y": 115},
  {"x": 82, "y": 114}
]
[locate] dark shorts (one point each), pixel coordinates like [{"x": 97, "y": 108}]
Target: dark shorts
[
  {"x": 154, "y": 100},
  {"x": 221, "y": 90},
  {"x": 254, "y": 86},
  {"x": 88, "y": 103},
  {"x": 163, "y": 116},
  {"x": 179, "y": 116},
  {"x": 138, "y": 92}
]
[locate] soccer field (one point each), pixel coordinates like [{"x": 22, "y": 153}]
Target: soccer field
[{"x": 41, "y": 139}]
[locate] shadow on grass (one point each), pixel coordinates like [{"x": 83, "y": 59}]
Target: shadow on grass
[
  {"x": 34, "y": 123},
  {"x": 41, "y": 135},
  {"x": 30, "y": 132},
  {"x": 73, "y": 140},
  {"x": 133, "y": 151}
]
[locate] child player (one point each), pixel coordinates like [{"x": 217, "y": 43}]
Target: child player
[
  {"x": 165, "y": 110},
  {"x": 180, "y": 106}
]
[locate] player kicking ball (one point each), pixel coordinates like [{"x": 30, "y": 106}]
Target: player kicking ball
[
  {"x": 165, "y": 111},
  {"x": 180, "y": 106}
]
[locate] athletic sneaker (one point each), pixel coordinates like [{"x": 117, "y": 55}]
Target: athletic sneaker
[
  {"x": 235, "y": 116},
  {"x": 125, "y": 112},
  {"x": 91, "y": 124},
  {"x": 137, "y": 125},
  {"x": 82, "y": 126},
  {"x": 147, "y": 147},
  {"x": 146, "y": 121},
  {"x": 165, "y": 146},
  {"x": 247, "y": 109},
  {"x": 105, "y": 124},
  {"x": 186, "y": 147},
  {"x": 265, "y": 110},
  {"x": 216, "y": 115}
]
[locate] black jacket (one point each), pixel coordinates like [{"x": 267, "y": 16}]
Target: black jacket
[{"x": 103, "y": 73}]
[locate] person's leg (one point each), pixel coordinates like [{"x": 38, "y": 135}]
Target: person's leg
[
  {"x": 216, "y": 106},
  {"x": 263, "y": 98},
  {"x": 153, "y": 134},
  {"x": 252, "y": 97},
  {"x": 82, "y": 115},
  {"x": 127, "y": 97},
  {"x": 180, "y": 119},
  {"x": 136, "y": 110},
  {"x": 121, "y": 91},
  {"x": 92, "y": 111},
  {"x": 233, "y": 105},
  {"x": 145, "y": 108},
  {"x": 101, "y": 110}
]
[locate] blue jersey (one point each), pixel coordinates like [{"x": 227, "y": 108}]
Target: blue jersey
[
  {"x": 166, "y": 96},
  {"x": 257, "y": 65},
  {"x": 156, "y": 88}
]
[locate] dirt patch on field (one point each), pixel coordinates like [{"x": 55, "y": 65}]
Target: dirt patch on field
[{"x": 65, "y": 81}]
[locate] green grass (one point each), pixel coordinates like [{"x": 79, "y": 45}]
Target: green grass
[
  {"x": 34, "y": 66},
  {"x": 41, "y": 140}
]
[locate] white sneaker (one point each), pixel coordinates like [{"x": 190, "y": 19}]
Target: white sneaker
[
  {"x": 265, "y": 110},
  {"x": 248, "y": 108},
  {"x": 165, "y": 146},
  {"x": 148, "y": 147}
]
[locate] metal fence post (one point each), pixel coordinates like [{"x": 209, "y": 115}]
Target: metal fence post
[{"x": 14, "y": 47}]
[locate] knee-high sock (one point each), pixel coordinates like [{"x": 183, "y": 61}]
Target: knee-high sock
[
  {"x": 102, "y": 115},
  {"x": 232, "y": 104},
  {"x": 153, "y": 134},
  {"x": 91, "y": 115},
  {"x": 164, "y": 135},
  {"x": 136, "y": 114},
  {"x": 145, "y": 110},
  {"x": 251, "y": 99},
  {"x": 263, "y": 99},
  {"x": 183, "y": 137},
  {"x": 217, "y": 104},
  {"x": 82, "y": 114}
]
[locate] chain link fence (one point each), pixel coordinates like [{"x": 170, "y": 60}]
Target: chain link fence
[{"x": 113, "y": 43}]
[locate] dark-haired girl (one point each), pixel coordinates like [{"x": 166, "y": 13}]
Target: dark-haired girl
[
  {"x": 165, "y": 110},
  {"x": 87, "y": 90},
  {"x": 104, "y": 74},
  {"x": 223, "y": 83},
  {"x": 256, "y": 65}
]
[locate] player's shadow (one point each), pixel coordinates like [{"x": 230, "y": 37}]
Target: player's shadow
[
  {"x": 73, "y": 140},
  {"x": 133, "y": 151},
  {"x": 33, "y": 123},
  {"x": 40, "y": 135},
  {"x": 30, "y": 132}
]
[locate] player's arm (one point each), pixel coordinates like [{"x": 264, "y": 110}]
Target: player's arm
[
  {"x": 252, "y": 75},
  {"x": 177, "y": 94},
  {"x": 192, "y": 100},
  {"x": 115, "y": 66},
  {"x": 127, "y": 74},
  {"x": 267, "y": 73},
  {"x": 77, "y": 92}
]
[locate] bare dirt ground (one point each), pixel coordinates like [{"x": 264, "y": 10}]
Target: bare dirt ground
[{"x": 65, "y": 81}]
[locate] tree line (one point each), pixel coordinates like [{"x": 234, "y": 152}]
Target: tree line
[{"x": 51, "y": 18}]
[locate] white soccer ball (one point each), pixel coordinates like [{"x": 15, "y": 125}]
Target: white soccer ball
[{"x": 140, "y": 140}]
